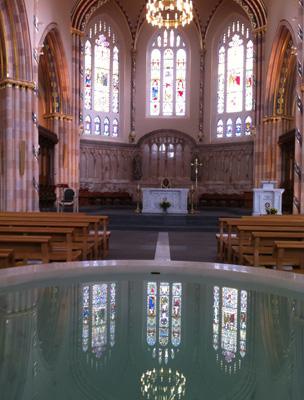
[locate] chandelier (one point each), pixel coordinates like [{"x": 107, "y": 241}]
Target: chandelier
[{"x": 169, "y": 13}]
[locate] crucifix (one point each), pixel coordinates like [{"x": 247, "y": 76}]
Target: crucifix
[{"x": 196, "y": 164}]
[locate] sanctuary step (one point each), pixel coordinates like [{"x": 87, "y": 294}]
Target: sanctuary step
[{"x": 203, "y": 221}]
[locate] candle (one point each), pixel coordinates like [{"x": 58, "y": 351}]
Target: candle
[{"x": 138, "y": 187}]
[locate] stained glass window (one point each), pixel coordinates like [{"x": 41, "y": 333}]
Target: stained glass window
[
  {"x": 98, "y": 317},
  {"x": 229, "y": 326},
  {"x": 168, "y": 68},
  {"x": 88, "y": 76},
  {"x": 248, "y": 125},
  {"x": 106, "y": 127},
  {"x": 87, "y": 125},
  {"x": 155, "y": 82},
  {"x": 164, "y": 319},
  {"x": 234, "y": 80},
  {"x": 102, "y": 77},
  {"x": 97, "y": 126},
  {"x": 115, "y": 128}
]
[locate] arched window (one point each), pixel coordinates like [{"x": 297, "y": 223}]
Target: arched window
[
  {"x": 115, "y": 128},
  {"x": 101, "y": 77},
  {"x": 167, "y": 76},
  {"x": 97, "y": 126},
  {"x": 235, "y": 82},
  {"x": 87, "y": 125},
  {"x": 106, "y": 127}
]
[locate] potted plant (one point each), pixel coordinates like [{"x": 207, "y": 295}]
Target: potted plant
[
  {"x": 271, "y": 211},
  {"x": 165, "y": 204}
]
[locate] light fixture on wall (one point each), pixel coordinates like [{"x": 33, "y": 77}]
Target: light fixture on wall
[{"x": 169, "y": 13}]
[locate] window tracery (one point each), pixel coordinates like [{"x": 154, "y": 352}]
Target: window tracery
[
  {"x": 101, "y": 80},
  {"x": 235, "y": 82},
  {"x": 168, "y": 68}
]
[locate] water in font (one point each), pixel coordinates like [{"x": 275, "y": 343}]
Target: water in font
[{"x": 157, "y": 339}]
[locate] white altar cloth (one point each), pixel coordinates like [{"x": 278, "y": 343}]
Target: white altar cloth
[{"x": 152, "y": 197}]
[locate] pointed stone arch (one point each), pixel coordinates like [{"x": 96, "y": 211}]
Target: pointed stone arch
[
  {"x": 18, "y": 132},
  {"x": 55, "y": 102},
  {"x": 278, "y": 124},
  {"x": 280, "y": 80}
]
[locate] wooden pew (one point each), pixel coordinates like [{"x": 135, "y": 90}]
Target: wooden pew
[
  {"x": 7, "y": 258},
  {"x": 289, "y": 248},
  {"x": 98, "y": 226},
  {"x": 261, "y": 251},
  {"x": 81, "y": 228},
  {"x": 28, "y": 247},
  {"x": 229, "y": 233},
  {"x": 63, "y": 248}
]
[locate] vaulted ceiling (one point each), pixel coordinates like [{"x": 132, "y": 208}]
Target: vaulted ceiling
[{"x": 204, "y": 9}]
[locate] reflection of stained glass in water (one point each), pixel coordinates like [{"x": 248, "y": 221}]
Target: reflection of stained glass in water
[
  {"x": 88, "y": 76},
  {"x": 164, "y": 301},
  {"x": 230, "y": 325},
  {"x": 151, "y": 313},
  {"x": 98, "y": 317}
]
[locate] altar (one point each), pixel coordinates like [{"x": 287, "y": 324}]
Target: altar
[{"x": 152, "y": 197}]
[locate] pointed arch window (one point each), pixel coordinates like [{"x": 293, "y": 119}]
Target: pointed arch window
[
  {"x": 235, "y": 55},
  {"x": 87, "y": 125},
  {"x": 101, "y": 78},
  {"x": 97, "y": 126},
  {"x": 106, "y": 127},
  {"x": 167, "y": 78}
]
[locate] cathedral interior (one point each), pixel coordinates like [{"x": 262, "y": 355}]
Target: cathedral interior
[
  {"x": 96, "y": 98},
  {"x": 166, "y": 129}
]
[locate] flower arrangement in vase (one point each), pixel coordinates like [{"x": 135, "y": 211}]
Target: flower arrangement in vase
[{"x": 165, "y": 204}]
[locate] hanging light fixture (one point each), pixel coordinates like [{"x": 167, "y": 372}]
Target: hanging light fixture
[{"x": 169, "y": 13}]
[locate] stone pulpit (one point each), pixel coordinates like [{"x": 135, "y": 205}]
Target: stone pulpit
[
  {"x": 152, "y": 197},
  {"x": 267, "y": 197}
]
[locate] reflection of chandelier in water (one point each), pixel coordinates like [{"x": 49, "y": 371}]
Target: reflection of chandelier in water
[
  {"x": 169, "y": 13},
  {"x": 163, "y": 384}
]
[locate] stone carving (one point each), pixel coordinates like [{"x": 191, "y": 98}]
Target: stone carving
[{"x": 137, "y": 167}]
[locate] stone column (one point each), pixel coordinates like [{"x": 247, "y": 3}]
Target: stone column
[
  {"x": 76, "y": 124},
  {"x": 298, "y": 200},
  {"x": 259, "y": 95},
  {"x": 19, "y": 142}
]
